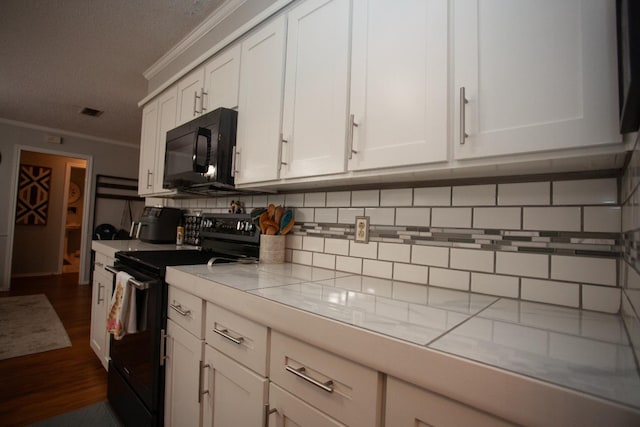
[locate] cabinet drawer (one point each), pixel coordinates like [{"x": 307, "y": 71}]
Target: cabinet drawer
[
  {"x": 239, "y": 338},
  {"x": 408, "y": 405},
  {"x": 102, "y": 260},
  {"x": 289, "y": 410},
  {"x": 344, "y": 390},
  {"x": 186, "y": 310}
]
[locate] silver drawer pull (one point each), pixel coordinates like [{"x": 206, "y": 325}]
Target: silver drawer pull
[
  {"x": 178, "y": 308},
  {"x": 300, "y": 372},
  {"x": 225, "y": 333}
]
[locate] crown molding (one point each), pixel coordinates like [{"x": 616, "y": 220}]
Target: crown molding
[
  {"x": 68, "y": 133},
  {"x": 220, "y": 14}
]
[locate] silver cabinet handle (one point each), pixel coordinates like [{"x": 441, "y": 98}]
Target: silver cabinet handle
[
  {"x": 225, "y": 333},
  {"x": 201, "y": 392},
  {"x": 352, "y": 124},
  {"x": 280, "y": 150},
  {"x": 234, "y": 163},
  {"x": 178, "y": 308},
  {"x": 202, "y": 94},
  {"x": 463, "y": 102},
  {"x": 100, "y": 286},
  {"x": 149, "y": 173},
  {"x": 267, "y": 413},
  {"x": 195, "y": 103},
  {"x": 163, "y": 347},
  {"x": 98, "y": 264},
  {"x": 300, "y": 373}
]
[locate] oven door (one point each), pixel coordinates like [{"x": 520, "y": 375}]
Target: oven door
[{"x": 138, "y": 358}]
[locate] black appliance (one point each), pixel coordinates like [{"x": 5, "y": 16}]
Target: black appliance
[
  {"x": 199, "y": 154},
  {"x": 136, "y": 367},
  {"x": 157, "y": 225}
]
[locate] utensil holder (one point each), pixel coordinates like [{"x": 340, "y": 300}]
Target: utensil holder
[{"x": 272, "y": 249}]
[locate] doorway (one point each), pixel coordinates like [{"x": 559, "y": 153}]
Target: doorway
[{"x": 50, "y": 214}]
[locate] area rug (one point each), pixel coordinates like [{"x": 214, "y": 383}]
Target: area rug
[
  {"x": 28, "y": 325},
  {"x": 96, "y": 415}
]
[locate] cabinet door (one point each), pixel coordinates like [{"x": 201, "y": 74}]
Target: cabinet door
[
  {"x": 222, "y": 80},
  {"x": 167, "y": 110},
  {"x": 182, "y": 380},
  {"x": 537, "y": 76},
  {"x": 148, "y": 142},
  {"x": 190, "y": 90},
  {"x": 260, "y": 109},
  {"x": 410, "y": 406},
  {"x": 288, "y": 410},
  {"x": 316, "y": 88},
  {"x": 100, "y": 299},
  {"x": 234, "y": 395},
  {"x": 398, "y": 83}
]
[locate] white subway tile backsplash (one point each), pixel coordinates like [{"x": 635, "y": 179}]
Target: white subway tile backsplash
[
  {"x": 394, "y": 252},
  {"x": 326, "y": 215},
  {"x": 365, "y": 198},
  {"x": 411, "y": 273},
  {"x": 348, "y": 215},
  {"x": 452, "y": 279},
  {"x": 293, "y": 242},
  {"x": 398, "y": 197},
  {"x": 606, "y": 219},
  {"x": 314, "y": 200},
  {"x": 303, "y": 215},
  {"x": 497, "y": 218},
  {"x": 377, "y": 268},
  {"x": 430, "y": 255},
  {"x": 601, "y": 298},
  {"x": 600, "y": 271},
  {"x": 315, "y": 244},
  {"x": 275, "y": 199},
  {"x": 324, "y": 261},
  {"x": 451, "y": 217},
  {"x": 223, "y": 202},
  {"x": 336, "y": 246},
  {"x": 524, "y": 194},
  {"x": 294, "y": 200},
  {"x": 586, "y": 192},
  {"x": 352, "y": 265},
  {"x": 363, "y": 250},
  {"x": 260, "y": 201},
  {"x": 339, "y": 199},
  {"x": 416, "y": 217},
  {"x": 471, "y": 259},
  {"x": 522, "y": 264},
  {"x": 551, "y": 292},
  {"x": 493, "y": 284},
  {"x": 301, "y": 257},
  {"x": 474, "y": 195},
  {"x": 552, "y": 219},
  {"x": 432, "y": 196},
  {"x": 380, "y": 216}
]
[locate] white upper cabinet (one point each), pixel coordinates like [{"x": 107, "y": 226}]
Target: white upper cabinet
[
  {"x": 398, "y": 83},
  {"x": 316, "y": 88},
  {"x": 167, "y": 111},
  {"x": 222, "y": 79},
  {"x": 148, "y": 143},
  {"x": 536, "y": 75},
  {"x": 190, "y": 94},
  {"x": 260, "y": 107}
]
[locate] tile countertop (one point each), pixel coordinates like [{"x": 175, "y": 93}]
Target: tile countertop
[
  {"x": 578, "y": 350},
  {"x": 110, "y": 247}
]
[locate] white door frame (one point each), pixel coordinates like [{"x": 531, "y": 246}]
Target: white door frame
[{"x": 85, "y": 244}]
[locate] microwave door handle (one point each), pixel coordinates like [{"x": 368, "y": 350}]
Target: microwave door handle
[{"x": 196, "y": 166}]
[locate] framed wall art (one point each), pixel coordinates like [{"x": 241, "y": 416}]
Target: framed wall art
[{"x": 33, "y": 195}]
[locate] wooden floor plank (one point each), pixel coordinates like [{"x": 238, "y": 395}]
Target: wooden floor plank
[{"x": 39, "y": 386}]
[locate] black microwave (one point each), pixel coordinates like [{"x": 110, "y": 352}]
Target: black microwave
[{"x": 199, "y": 153}]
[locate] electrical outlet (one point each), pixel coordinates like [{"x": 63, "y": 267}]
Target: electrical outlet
[{"x": 362, "y": 229}]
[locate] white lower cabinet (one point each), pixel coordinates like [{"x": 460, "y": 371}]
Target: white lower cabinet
[
  {"x": 340, "y": 388},
  {"x": 102, "y": 286},
  {"x": 288, "y": 410},
  {"x": 232, "y": 394},
  {"x": 408, "y": 405},
  {"x": 183, "y": 370}
]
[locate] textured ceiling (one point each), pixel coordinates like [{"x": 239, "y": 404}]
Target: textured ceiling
[{"x": 57, "y": 56}]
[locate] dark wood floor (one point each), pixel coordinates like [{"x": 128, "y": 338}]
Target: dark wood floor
[{"x": 39, "y": 386}]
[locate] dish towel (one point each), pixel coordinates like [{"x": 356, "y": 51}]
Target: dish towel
[{"x": 121, "y": 319}]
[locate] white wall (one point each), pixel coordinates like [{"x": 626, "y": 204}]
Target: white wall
[{"x": 109, "y": 158}]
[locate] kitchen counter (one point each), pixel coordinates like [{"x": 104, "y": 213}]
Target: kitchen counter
[
  {"x": 110, "y": 247},
  {"x": 527, "y": 362}
]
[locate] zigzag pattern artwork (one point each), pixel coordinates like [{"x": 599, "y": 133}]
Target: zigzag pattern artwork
[{"x": 33, "y": 195}]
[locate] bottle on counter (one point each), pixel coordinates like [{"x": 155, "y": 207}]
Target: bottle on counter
[{"x": 180, "y": 234}]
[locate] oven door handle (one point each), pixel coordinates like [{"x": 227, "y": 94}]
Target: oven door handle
[{"x": 136, "y": 283}]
